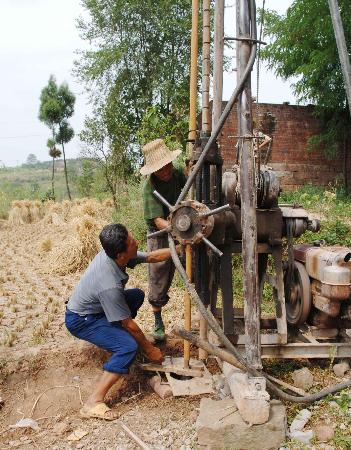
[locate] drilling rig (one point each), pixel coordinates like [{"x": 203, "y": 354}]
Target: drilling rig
[{"x": 220, "y": 214}]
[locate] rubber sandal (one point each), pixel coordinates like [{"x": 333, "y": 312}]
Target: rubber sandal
[{"x": 98, "y": 411}]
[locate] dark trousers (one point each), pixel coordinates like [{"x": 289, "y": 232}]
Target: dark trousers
[{"x": 96, "y": 329}]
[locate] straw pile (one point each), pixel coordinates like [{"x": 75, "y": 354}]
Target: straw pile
[
  {"x": 76, "y": 252},
  {"x": 25, "y": 211}
]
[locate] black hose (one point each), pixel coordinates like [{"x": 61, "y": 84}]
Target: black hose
[{"x": 232, "y": 350}]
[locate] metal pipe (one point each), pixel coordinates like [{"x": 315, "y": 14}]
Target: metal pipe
[
  {"x": 219, "y": 126},
  {"x": 342, "y": 48},
  {"x": 193, "y": 69},
  {"x": 160, "y": 232},
  {"x": 187, "y": 305},
  {"x": 212, "y": 247},
  {"x": 218, "y": 62},
  {"x": 206, "y": 66},
  {"x": 245, "y": 20},
  {"x": 215, "y": 211},
  {"x": 163, "y": 200}
]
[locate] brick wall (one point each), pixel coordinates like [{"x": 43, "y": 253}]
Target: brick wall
[{"x": 289, "y": 156}]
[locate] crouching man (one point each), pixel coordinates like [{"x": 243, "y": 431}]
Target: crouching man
[{"x": 101, "y": 311}]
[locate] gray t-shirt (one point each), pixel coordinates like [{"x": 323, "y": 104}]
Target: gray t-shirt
[{"x": 101, "y": 288}]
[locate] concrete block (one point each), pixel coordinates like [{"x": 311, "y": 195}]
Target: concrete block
[
  {"x": 249, "y": 393},
  {"x": 220, "y": 426}
]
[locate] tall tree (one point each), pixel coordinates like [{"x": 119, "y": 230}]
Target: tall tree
[
  {"x": 31, "y": 159},
  {"x": 139, "y": 58},
  {"x": 56, "y": 106},
  {"x": 303, "y": 47},
  {"x": 104, "y": 139},
  {"x": 53, "y": 153}
]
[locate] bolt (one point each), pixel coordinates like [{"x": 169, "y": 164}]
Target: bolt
[{"x": 183, "y": 223}]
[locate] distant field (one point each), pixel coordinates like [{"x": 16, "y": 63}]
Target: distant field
[{"x": 33, "y": 182}]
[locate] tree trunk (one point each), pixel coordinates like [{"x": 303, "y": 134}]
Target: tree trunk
[
  {"x": 52, "y": 179},
  {"x": 346, "y": 184},
  {"x": 65, "y": 166}
]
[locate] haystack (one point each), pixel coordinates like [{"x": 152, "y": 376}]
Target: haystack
[
  {"x": 35, "y": 211},
  {"x": 54, "y": 214},
  {"x": 15, "y": 215},
  {"x": 76, "y": 252}
]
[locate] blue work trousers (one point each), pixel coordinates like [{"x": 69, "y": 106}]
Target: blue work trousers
[{"x": 96, "y": 329}]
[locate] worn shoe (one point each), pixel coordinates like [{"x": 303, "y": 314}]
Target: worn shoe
[{"x": 159, "y": 333}]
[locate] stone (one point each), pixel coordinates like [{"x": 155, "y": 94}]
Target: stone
[
  {"x": 323, "y": 433},
  {"x": 303, "y": 378},
  {"x": 220, "y": 426},
  {"x": 61, "y": 428},
  {"x": 341, "y": 368},
  {"x": 304, "y": 437},
  {"x": 300, "y": 420},
  {"x": 249, "y": 393},
  {"x": 163, "y": 390}
]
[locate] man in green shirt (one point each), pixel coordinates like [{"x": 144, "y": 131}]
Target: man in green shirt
[{"x": 168, "y": 181}]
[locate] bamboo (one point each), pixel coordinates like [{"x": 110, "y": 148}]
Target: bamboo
[{"x": 191, "y": 139}]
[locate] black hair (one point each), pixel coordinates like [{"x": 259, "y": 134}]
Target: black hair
[{"x": 113, "y": 238}]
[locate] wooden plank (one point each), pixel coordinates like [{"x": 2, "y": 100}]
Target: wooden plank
[
  {"x": 279, "y": 295},
  {"x": 304, "y": 350}
]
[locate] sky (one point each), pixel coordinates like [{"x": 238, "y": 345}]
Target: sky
[{"x": 39, "y": 38}]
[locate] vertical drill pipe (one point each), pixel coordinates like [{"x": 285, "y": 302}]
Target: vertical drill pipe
[
  {"x": 191, "y": 138},
  {"x": 205, "y": 128},
  {"x": 218, "y": 62},
  {"x": 193, "y": 70},
  {"x": 206, "y": 66},
  {"x": 248, "y": 194},
  {"x": 218, "y": 44},
  {"x": 187, "y": 305}
]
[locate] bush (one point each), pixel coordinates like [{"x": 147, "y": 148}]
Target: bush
[{"x": 130, "y": 211}]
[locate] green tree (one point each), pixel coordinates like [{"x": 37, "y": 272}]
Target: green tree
[
  {"x": 56, "y": 106},
  {"x": 31, "y": 160},
  {"x": 139, "y": 59},
  {"x": 85, "y": 180},
  {"x": 104, "y": 140},
  {"x": 53, "y": 153},
  {"x": 303, "y": 47}
]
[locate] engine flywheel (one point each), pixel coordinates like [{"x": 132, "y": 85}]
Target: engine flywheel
[{"x": 298, "y": 299}]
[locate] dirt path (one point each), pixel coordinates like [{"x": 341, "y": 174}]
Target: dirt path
[{"x": 38, "y": 357}]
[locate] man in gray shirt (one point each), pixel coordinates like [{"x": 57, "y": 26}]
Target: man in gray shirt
[{"x": 101, "y": 311}]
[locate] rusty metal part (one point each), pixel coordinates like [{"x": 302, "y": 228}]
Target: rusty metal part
[
  {"x": 330, "y": 307},
  {"x": 298, "y": 299},
  {"x": 189, "y": 224},
  {"x": 322, "y": 320},
  {"x": 268, "y": 188},
  {"x": 229, "y": 183}
]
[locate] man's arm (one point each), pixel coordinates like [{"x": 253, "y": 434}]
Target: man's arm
[
  {"x": 153, "y": 353},
  {"x": 161, "y": 254},
  {"x": 161, "y": 223}
]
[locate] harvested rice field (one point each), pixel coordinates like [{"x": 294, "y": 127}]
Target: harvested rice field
[{"x": 45, "y": 373}]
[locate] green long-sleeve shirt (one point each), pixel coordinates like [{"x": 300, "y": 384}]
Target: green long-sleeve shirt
[{"x": 170, "y": 190}]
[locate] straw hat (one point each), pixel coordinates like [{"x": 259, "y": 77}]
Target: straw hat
[{"x": 157, "y": 155}]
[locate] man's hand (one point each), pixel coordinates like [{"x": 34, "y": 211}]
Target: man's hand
[{"x": 154, "y": 354}]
